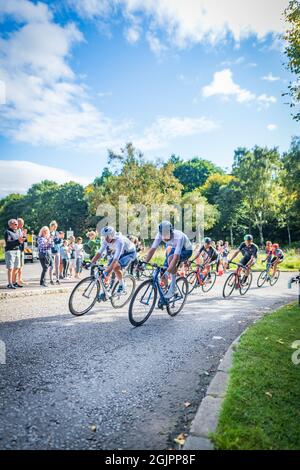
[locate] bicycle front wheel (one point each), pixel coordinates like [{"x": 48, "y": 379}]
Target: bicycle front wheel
[
  {"x": 192, "y": 281},
  {"x": 275, "y": 277},
  {"x": 176, "y": 304},
  {"x": 84, "y": 295},
  {"x": 262, "y": 278},
  {"x": 119, "y": 300},
  {"x": 245, "y": 284},
  {"x": 229, "y": 285},
  {"x": 142, "y": 303},
  {"x": 209, "y": 281}
]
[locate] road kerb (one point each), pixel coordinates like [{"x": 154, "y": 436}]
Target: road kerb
[
  {"x": 19, "y": 293},
  {"x": 206, "y": 419}
]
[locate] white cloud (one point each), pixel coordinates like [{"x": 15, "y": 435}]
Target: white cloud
[
  {"x": 265, "y": 100},
  {"x": 155, "y": 44},
  {"x": 2, "y": 93},
  {"x": 229, "y": 63},
  {"x": 91, "y": 8},
  {"x": 45, "y": 102},
  {"x": 270, "y": 78},
  {"x": 17, "y": 176},
  {"x": 272, "y": 127},
  {"x": 224, "y": 86},
  {"x": 23, "y": 10},
  {"x": 165, "y": 129},
  {"x": 193, "y": 21},
  {"x": 132, "y": 34}
]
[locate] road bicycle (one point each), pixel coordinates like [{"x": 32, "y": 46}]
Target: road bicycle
[
  {"x": 153, "y": 290},
  {"x": 96, "y": 288},
  {"x": 139, "y": 272},
  {"x": 268, "y": 275},
  {"x": 200, "y": 277},
  {"x": 238, "y": 280}
]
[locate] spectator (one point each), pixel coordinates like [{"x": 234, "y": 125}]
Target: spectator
[
  {"x": 55, "y": 251},
  {"x": 22, "y": 233},
  {"x": 45, "y": 244},
  {"x": 65, "y": 257},
  {"x": 72, "y": 261},
  {"x": 12, "y": 252},
  {"x": 61, "y": 265},
  {"x": 93, "y": 245},
  {"x": 79, "y": 255}
]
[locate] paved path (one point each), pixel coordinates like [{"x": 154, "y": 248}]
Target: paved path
[{"x": 65, "y": 375}]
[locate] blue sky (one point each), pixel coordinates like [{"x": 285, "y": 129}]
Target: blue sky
[{"x": 78, "y": 77}]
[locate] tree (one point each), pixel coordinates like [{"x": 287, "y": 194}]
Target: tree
[
  {"x": 289, "y": 197},
  {"x": 213, "y": 184},
  {"x": 46, "y": 201},
  {"x": 71, "y": 208},
  {"x": 12, "y": 206},
  {"x": 140, "y": 181},
  {"x": 193, "y": 173},
  {"x": 257, "y": 172},
  {"x": 292, "y": 51}
]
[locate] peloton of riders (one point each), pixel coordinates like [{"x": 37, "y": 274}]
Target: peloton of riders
[{"x": 121, "y": 251}]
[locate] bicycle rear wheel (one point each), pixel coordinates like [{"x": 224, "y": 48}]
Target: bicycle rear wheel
[
  {"x": 176, "y": 304},
  {"x": 275, "y": 278},
  {"x": 192, "y": 281},
  {"x": 209, "y": 281},
  {"x": 262, "y": 278},
  {"x": 245, "y": 284},
  {"x": 119, "y": 300},
  {"x": 142, "y": 303},
  {"x": 229, "y": 285},
  {"x": 84, "y": 295}
]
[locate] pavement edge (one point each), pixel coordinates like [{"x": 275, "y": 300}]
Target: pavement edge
[{"x": 207, "y": 416}]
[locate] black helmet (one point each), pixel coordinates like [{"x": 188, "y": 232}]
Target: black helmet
[
  {"x": 207, "y": 240},
  {"x": 248, "y": 238}
]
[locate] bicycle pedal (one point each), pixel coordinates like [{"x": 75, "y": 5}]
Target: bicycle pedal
[{"x": 160, "y": 305}]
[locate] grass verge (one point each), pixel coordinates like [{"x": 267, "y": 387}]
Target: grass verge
[{"x": 261, "y": 408}]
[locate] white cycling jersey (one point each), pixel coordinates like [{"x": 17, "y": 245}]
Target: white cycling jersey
[
  {"x": 118, "y": 246},
  {"x": 179, "y": 241}
]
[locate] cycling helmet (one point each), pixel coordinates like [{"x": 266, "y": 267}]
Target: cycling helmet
[
  {"x": 275, "y": 246},
  {"x": 207, "y": 240},
  {"x": 248, "y": 238},
  {"x": 166, "y": 228},
  {"x": 108, "y": 232}
]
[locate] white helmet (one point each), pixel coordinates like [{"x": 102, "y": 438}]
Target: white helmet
[
  {"x": 108, "y": 232},
  {"x": 166, "y": 229}
]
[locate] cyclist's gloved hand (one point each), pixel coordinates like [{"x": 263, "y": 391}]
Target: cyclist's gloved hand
[
  {"x": 92, "y": 268},
  {"x": 166, "y": 274},
  {"x": 141, "y": 264}
]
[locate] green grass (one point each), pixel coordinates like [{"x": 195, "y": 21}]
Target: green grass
[
  {"x": 261, "y": 409},
  {"x": 2, "y": 256}
]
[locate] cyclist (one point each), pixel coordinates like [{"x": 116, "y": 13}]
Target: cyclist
[
  {"x": 225, "y": 255},
  {"x": 277, "y": 256},
  {"x": 122, "y": 252},
  {"x": 208, "y": 253},
  {"x": 249, "y": 251},
  {"x": 179, "y": 249},
  {"x": 268, "y": 258}
]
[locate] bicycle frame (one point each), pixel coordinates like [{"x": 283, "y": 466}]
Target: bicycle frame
[
  {"x": 237, "y": 273},
  {"x": 200, "y": 270},
  {"x": 156, "y": 284}
]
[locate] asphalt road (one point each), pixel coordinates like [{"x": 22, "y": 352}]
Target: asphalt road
[{"x": 95, "y": 382}]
